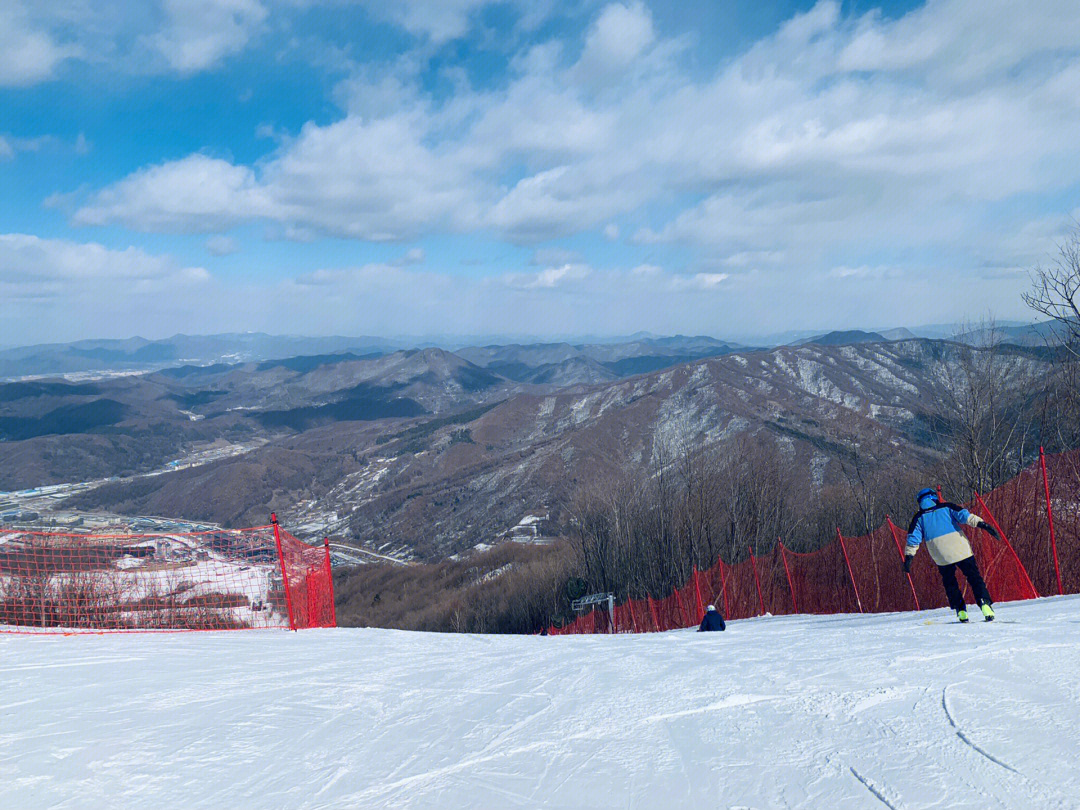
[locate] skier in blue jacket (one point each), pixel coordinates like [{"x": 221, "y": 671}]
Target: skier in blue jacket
[{"x": 938, "y": 525}]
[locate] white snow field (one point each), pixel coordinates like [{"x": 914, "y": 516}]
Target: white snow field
[{"x": 890, "y": 711}]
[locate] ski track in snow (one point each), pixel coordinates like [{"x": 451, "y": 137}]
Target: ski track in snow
[
  {"x": 804, "y": 712},
  {"x": 875, "y": 791}
]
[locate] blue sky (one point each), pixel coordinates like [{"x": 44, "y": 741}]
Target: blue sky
[{"x": 463, "y": 167}]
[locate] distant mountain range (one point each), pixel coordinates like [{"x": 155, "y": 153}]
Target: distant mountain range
[
  {"x": 427, "y": 452},
  {"x": 594, "y": 360},
  {"x": 601, "y": 360},
  {"x": 1050, "y": 333},
  {"x": 846, "y": 338},
  {"x": 139, "y": 354}
]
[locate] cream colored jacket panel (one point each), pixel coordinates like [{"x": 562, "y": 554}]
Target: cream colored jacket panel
[{"x": 948, "y": 548}]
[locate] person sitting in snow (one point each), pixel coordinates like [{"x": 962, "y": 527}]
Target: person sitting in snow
[
  {"x": 937, "y": 524},
  {"x": 712, "y": 620}
]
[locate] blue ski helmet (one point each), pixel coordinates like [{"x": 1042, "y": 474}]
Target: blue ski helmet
[{"x": 924, "y": 492}]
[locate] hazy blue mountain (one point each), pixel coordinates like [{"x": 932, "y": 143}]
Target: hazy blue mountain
[
  {"x": 844, "y": 338},
  {"x": 139, "y": 354}
]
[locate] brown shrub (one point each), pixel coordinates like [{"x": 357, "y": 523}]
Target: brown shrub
[{"x": 512, "y": 588}]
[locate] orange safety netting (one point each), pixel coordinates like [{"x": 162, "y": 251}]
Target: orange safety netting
[
  {"x": 218, "y": 580},
  {"x": 1037, "y": 514}
]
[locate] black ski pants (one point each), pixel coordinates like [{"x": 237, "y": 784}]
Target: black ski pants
[{"x": 970, "y": 569}]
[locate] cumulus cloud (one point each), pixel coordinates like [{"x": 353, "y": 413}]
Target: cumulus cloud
[
  {"x": 28, "y": 54},
  {"x": 83, "y": 276},
  {"x": 27, "y": 258},
  {"x": 61, "y": 290},
  {"x": 618, "y": 36},
  {"x": 551, "y": 277},
  {"x": 437, "y": 20},
  {"x": 700, "y": 281},
  {"x": 195, "y": 194},
  {"x": 149, "y": 36},
  {"x": 835, "y": 140},
  {"x": 57, "y": 289},
  {"x": 199, "y": 33},
  {"x": 375, "y": 181}
]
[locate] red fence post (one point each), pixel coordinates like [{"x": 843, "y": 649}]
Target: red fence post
[
  {"x": 900, "y": 551},
  {"x": 847, "y": 562},
  {"x": 753, "y": 564},
  {"x": 1050, "y": 517},
  {"x": 652, "y": 611},
  {"x": 284, "y": 573},
  {"x": 697, "y": 590},
  {"x": 723, "y": 587},
  {"x": 787, "y": 571},
  {"x": 682, "y": 607},
  {"x": 984, "y": 508},
  {"x": 633, "y": 618},
  {"x": 330, "y": 582}
]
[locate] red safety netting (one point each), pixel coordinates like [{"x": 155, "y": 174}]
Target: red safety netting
[
  {"x": 821, "y": 581},
  {"x": 219, "y": 580},
  {"x": 1037, "y": 514},
  {"x": 1063, "y": 484}
]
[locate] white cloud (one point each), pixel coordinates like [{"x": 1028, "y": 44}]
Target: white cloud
[
  {"x": 10, "y": 145},
  {"x": 377, "y": 182},
  {"x": 188, "y": 36},
  {"x": 28, "y": 257},
  {"x": 700, "y": 281},
  {"x": 837, "y": 134},
  {"x": 28, "y": 55},
  {"x": 862, "y": 272},
  {"x": 55, "y": 289},
  {"x": 32, "y": 268},
  {"x": 438, "y": 20},
  {"x": 955, "y": 41},
  {"x": 195, "y": 194},
  {"x": 181, "y": 36},
  {"x": 618, "y": 36},
  {"x": 552, "y": 277},
  {"x": 200, "y": 33},
  {"x": 753, "y": 258}
]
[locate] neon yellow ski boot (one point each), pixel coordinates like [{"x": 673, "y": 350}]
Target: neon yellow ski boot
[
  {"x": 962, "y": 616},
  {"x": 987, "y": 612}
]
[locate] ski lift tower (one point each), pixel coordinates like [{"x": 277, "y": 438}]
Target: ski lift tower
[{"x": 579, "y": 605}]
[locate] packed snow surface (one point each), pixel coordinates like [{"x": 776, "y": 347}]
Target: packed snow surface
[{"x": 891, "y": 711}]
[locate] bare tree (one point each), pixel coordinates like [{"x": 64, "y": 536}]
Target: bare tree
[
  {"x": 1054, "y": 292},
  {"x": 987, "y": 422}
]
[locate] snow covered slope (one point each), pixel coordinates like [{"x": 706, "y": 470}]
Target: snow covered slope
[{"x": 889, "y": 711}]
